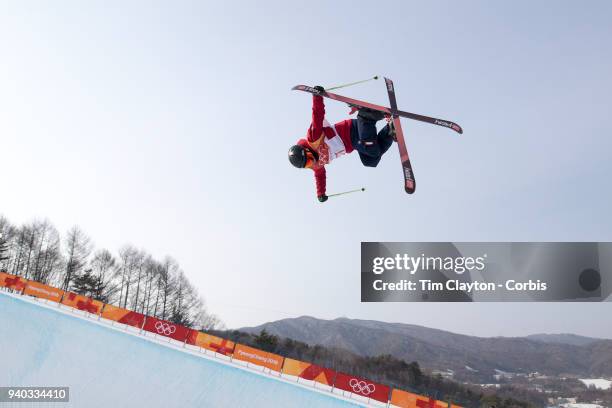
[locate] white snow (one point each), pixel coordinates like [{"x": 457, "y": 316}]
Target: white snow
[
  {"x": 599, "y": 383},
  {"x": 107, "y": 366}
]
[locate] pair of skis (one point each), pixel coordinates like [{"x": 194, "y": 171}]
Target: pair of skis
[{"x": 395, "y": 114}]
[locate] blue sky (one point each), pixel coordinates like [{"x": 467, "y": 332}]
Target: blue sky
[{"x": 166, "y": 125}]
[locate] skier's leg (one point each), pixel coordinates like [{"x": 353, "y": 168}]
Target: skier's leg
[
  {"x": 364, "y": 139},
  {"x": 367, "y": 137},
  {"x": 385, "y": 139}
]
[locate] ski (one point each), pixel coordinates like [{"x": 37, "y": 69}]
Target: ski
[
  {"x": 409, "y": 181},
  {"x": 361, "y": 104}
]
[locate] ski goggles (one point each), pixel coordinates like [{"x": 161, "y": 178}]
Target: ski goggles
[{"x": 310, "y": 159}]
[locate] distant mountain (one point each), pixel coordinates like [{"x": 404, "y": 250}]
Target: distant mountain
[
  {"x": 442, "y": 350},
  {"x": 563, "y": 338}
]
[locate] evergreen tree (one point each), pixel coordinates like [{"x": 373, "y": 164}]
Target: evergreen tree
[
  {"x": 266, "y": 341},
  {"x": 83, "y": 283},
  {"x": 90, "y": 285}
]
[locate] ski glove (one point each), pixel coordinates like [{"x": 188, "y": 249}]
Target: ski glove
[
  {"x": 319, "y": 88},
  {"x": 322, "y": 198}
]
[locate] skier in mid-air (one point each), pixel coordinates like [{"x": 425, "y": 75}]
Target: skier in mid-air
[{"x": 325, "y": 142}]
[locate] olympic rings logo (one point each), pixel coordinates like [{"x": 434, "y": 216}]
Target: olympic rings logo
[
  {"x": 361, "y": 387},
  {"x": 165, "y": 328}
]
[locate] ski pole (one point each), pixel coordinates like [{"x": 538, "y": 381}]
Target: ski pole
[
  {"x": 351, "y": 84},
  {"x": 347, "y": 192}
]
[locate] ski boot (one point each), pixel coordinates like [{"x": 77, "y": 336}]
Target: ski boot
[
  {"x": 370, "y": 114},
  {"x": 391, "y": 127}
]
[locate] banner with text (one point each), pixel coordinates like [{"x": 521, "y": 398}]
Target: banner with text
[
  {"x": 210, "y": 342},
  {"x": 481, "y": 272},
  {"x": 258, "y": 357},
  {"x": 43, "y": 291},
  {"x": 82, "y": 303},
  {"x": 13, "y": 282},
  {"x": 123, "y": 316},
  {"x": 309, "y": 371},
  {"x": 362, "y": 386}
]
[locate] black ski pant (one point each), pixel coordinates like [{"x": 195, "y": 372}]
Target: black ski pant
[{"x": 369, "y": 144}]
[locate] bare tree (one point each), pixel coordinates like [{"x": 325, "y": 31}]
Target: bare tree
[
  {"x": 47, "y": 256},
  {"x": 32, "y": 250},
  {"x": 152, "y": 268},
  {"x": 27, "y": 244},
  {"x": 19, "y": 248},
  {"x": 3, "y": 252},
  {"x": 78, "y": 249},
  {"x": 188, "y": 306},
  {"x": 204, "y": 320},
  {"x": 102, "y": 267},
  {"x": 7, "y": 231},
  {"x": 128, "y": 262},
  {"x": 140, "y": 263},
  {"x": 165, "y": 286}
]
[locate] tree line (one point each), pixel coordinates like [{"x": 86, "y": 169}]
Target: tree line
[{"x": 132, "y": 278}]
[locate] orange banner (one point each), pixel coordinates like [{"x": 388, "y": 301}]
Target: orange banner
[
  {"x": 124, "y": 316},
  {"x": 258, "y": 357},
  {"x": 210, "y": 342},
  {"x": 309, "y": 371},
  {"x": 82, "y": 303},
  {"x": 43, "y": 291},
  {"x": 406, "y": 399},
  {"x": 12, "y": 282}
]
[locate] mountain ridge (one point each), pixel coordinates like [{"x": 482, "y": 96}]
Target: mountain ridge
[
  {"x": 564, "y": 338},
  {"x": 435, "y": 349}
]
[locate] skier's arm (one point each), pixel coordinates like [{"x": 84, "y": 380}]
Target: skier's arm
[
  {"x": 318, "y": 114},
  {"x": 320, "y": 179}
]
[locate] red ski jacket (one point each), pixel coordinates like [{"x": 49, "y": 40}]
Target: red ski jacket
[{"x": 330, "y": 142}]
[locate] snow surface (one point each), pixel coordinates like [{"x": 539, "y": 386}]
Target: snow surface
[
  {"x": 599, "y": 383},
  {"x": 108, "y": 367}
]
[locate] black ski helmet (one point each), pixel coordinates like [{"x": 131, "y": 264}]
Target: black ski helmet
[{"x": 297, "y": 156}]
